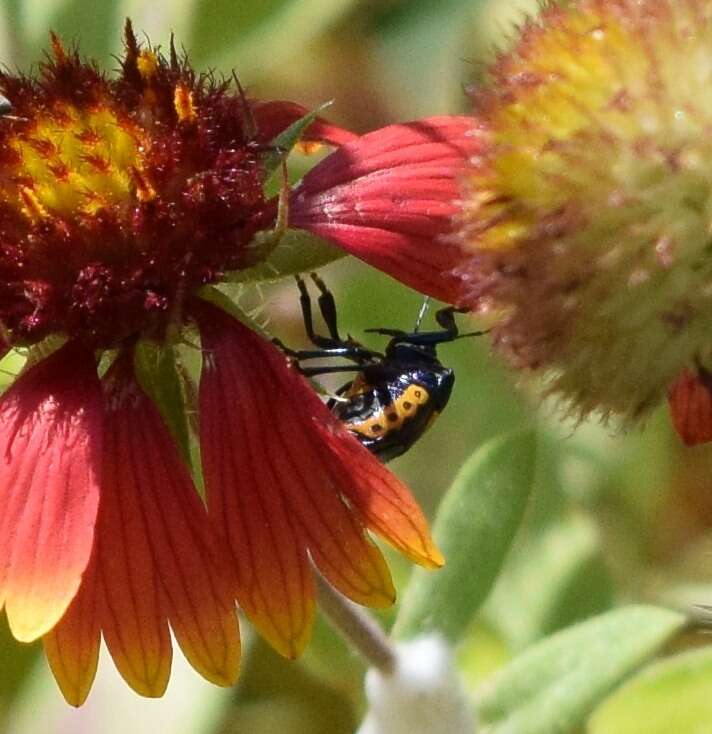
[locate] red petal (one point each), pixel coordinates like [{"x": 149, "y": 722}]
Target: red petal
[
  {"x": 274, "y": 583},
  {"x": 274, "y": 117},
  {"x": 690, "y": 399},
  {"x": 50, "y": 449},
  {"x": 72, "y": 647},
  {"x": 274, "y": 485},
  {"x": 156, "y": 555},
  {"x": 389, "y": 198}
]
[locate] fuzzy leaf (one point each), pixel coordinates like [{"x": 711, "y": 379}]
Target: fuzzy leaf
[
  {"x": 672, "y": 695},
  {"x": 555, "y": 684},
  {"x": 557, "y": 575},
  {"x": 296, "y": 251},
  {"x": 474, "y": 528}
]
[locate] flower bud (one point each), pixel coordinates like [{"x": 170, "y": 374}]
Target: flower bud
[{"x": 588, "y": 215}]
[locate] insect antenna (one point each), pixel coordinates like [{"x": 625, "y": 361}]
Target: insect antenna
[{"x": 421, "y": 314}]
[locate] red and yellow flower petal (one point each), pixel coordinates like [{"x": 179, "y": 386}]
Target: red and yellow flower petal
[
  {"x": 389, "y": 198},
  {"x": 274, "y": 585},
  {"x": 72, "y": 646},
  {"x": 133, "y": 615},
  {"x": 380, "y": 498},
  {"x": 275, "y": 116},
  {"x": 332, "y": 532},
  {"x": 157, "y": 558},
  {"x": 50, "y": 449},
  {"x": 690, "y": 399},
  {"x": 265, "y": 454}
]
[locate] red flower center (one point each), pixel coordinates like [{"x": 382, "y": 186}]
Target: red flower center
[{"x": 118, "y": 197}]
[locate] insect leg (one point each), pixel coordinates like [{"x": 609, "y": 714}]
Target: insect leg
[
  {"x": 327, "y": 306},
  {"x": 315, "y": 371},
  {"x": 347, "y": 351}
]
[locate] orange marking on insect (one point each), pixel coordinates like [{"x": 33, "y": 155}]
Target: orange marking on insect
[
  {"x": 308, "y": 147},
  {"x": 403, "y": 407}
]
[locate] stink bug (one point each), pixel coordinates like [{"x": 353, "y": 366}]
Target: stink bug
[{"x": 396, "y": 395}]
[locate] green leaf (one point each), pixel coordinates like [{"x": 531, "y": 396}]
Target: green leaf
[
  {"x": 670, "y": 696},
  {"x": 283, "y": 143},
  {"x": 557, "y": 575},
  {"x": 475, "y": 526},
  {"x": 158, "y": 374},
  {"x": 553, "y": 686},
  {"x": 295, "y": 251}
]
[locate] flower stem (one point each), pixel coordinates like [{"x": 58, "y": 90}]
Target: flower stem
[{"x": 358, "y": 627}]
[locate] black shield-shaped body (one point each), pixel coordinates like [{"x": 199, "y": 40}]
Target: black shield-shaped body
[{"x": 388, "y": 406}]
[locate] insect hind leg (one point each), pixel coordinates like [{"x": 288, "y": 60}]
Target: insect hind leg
[
  {"x": 327, "y": 306},
  {"x": 326, "y": 347}
]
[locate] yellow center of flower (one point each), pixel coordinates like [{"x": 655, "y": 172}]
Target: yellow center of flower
[
  {"x": 567, "y": 90},
  {"x": 590, "y": 210},
  {"x": 74, "y": 162}
]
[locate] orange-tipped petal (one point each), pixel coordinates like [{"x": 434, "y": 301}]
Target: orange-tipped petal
[
  {"x": 50, "y": 449},
  {"x": 158, "y": 558},
  {"x": 690, "y": 399},
  {"x": 389, "y": 198},
  {"x": 382, "y": 500},
  {"x": 254, "y": 410},
  {"x": 72, "y": 647},
  {"x": 326, "y": 460},
  {"x": 133, "y": 615},
  {"x": 332, "y": 531},
  {"x": 245, "y": 493}
]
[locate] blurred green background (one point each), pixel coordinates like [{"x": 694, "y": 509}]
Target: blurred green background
[{"x": 613, "y": 518}]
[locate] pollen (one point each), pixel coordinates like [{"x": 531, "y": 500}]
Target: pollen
[
  {"x": 183, "y": 103},
  {"x": 69, "y": 155},
  {"x": 144, "y": 191},
  {"x": 31, "y": 205},
  {"x": 147, "y": 64}
]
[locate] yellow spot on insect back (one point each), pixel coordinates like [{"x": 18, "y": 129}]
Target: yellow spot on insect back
[
  {"x": 78, "y": 162},
  {"x": 403, "y": 407}
]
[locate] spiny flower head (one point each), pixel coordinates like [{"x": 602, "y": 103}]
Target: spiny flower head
[
  {"x": 589, "y": 213},
  {"x": 119, "y": 196}
]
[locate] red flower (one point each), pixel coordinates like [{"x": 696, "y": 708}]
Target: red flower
[
  {"x": 389, "y": 198},
  {"x": 119, "y": 200}
]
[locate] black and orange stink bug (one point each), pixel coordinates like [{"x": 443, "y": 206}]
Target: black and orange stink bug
[{"x": 396, "y": 395}]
